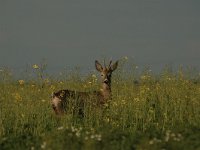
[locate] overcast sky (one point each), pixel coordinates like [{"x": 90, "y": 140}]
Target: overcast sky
[{"x": 76, "y": 32}]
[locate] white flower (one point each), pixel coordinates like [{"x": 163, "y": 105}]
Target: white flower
[
  {"x": 60, "y": 128},
  {"x": 43, "y": 146}
]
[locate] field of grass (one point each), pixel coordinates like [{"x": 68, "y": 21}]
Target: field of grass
[{"x": 147, "y": 112}]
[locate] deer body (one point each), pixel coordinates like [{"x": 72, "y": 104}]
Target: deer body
[{"x": 62, "y": 98}]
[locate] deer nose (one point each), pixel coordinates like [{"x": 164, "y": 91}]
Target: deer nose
[{"x": 105, "y": 81}]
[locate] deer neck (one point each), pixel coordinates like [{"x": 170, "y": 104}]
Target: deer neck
[{"x": 106, "y": 90}]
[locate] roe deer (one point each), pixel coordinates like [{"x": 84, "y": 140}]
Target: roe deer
[{"x": 62, "y": 98}]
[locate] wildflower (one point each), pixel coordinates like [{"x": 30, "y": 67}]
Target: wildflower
[
  {"x": 167, "y": 135},
  {"x": 126, "y": 58},
  {"x": 92, "y": 129},
  {"x": 151, "y": 142},
  {"x": 78, "y": 134},
  {"x": 61, "y": 82},
  {"x": 73, "y": 129},
  {"x": 177, "y": 139},
  {"x": 94, "y": 76},
  {"x": 43, "y": 100},
  {"x": 60, "y": 128},
  {"x": 145, "y": 77},
  {"x": 98, "y": 137},
  {"x": 35, "y": 66},
  {"x": 92, "y": 136},
  {"x": 17, "y": 96},
  {"x": 179, "y": 135},
  {"x": 107, "y": 119},
  {"x": 155, "y": 140},
  {"x": 32, "y": 148},
  {"x": 21, "y": 82},
  {"x": 168, "y": 78},
  {"x": 43, "y": 146}
]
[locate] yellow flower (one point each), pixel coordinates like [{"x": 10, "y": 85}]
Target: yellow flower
[
  {"x": 94, "y": 76},
  {"x": 17, "y": 96},
  {"x": 61, "y": 82},
  {"x": 21, "y": 82},
  {"x": 35, "y": 66}
]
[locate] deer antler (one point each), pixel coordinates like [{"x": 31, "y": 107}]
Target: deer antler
[{"x": 110, "y": 64}]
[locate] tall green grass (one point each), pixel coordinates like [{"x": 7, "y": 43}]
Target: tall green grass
[{"x": 147, "y": 111}]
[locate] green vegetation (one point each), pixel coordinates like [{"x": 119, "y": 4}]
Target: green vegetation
[{"x": 156, "y": 112}]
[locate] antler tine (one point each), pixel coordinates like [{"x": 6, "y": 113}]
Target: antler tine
[{"x": 110, "y": 63}]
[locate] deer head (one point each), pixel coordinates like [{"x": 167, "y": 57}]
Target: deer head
[{"x": 106, "y": 71}]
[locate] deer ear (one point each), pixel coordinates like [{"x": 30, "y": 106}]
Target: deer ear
[
  {"x": 98, "y": 66},
  {"x": 114, "y": 66}
]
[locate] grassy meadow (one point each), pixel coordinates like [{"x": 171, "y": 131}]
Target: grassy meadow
[{"x": 147, "y": 112}]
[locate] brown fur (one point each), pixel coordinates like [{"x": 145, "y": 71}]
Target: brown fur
[{"x": 61, "y": 98}]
